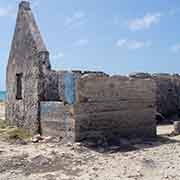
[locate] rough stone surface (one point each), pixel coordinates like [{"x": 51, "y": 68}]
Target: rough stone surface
[
  {"x": 57, "y": 120},
  {"x": 115, "y": 106},
  {"x": 177, "y": 127},
  {"x": 25, "y": 57},
  {"x": 167, "y": 92},
  {"x": 168, "y": 95}
]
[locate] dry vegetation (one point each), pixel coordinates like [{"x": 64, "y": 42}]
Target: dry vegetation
[{"x": 2, "y": 110}]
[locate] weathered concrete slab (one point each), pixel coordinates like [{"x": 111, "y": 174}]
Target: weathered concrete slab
[
  {"x": 112, "y": 107},
  {"x": 56, "y": 120}
]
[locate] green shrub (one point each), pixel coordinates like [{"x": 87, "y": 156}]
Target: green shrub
[
  {"x": 3, "y": 124},
  {"x": 16, "y": 133}
]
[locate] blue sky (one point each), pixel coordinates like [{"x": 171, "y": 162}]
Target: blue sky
[{"x": 115, "y": 36}]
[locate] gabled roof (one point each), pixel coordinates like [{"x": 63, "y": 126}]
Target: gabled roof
[
  {"x": 26, "y": 31},
  {"x": 27, "y": 17}
]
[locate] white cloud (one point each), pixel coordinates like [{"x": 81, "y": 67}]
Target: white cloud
[
  {"x": 77, "y": 18},
  {"x": 58, "y": 55},
  {"x": 132, "y": 44},
  {"x": 121, "y": 42},
  {"x": 145, "y": 22},
  {"x": 81, "y": 42},
  {"x": 175, "y": 48}
]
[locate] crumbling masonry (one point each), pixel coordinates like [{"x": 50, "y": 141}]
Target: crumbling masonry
[{"x": 74, "y": 105}]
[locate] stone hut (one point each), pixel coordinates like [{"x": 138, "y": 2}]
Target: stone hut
[{"x": 74, "y": 105}]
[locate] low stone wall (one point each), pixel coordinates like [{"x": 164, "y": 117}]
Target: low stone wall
[
  {"x": 56, "y": 120},
  {"x": 114, "y": 106}
]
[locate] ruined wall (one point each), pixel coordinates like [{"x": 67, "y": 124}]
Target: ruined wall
[
  {"x": 55, "y": 84},
  {"x": 57, "y": 115},
  {"x": 50, "y": 86},
  {"x": 114, "y": 106},
  {"x": 26, "y": 56},
  {"x": 167, "y": 94},
  {"x": 57, "y": 120}
]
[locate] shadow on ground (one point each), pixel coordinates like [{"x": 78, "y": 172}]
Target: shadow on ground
[{"x": 126, "y": 145}]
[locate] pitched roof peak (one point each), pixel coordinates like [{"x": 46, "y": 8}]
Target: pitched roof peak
[{"x": 24, "y": 5}]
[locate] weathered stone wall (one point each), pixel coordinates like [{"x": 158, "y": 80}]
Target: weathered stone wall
[
  {"x": 59, "y": 85},
  {"x": 167, "y": 94},
  {"x": 57, "y": 104},
  {"x": 114, "y": 106},
  {"x": 26, "y": 56},
  {"x": 57, "y": 120},
  {"x": 50, "y": 86},
  {"x": 54, "y": 85}
]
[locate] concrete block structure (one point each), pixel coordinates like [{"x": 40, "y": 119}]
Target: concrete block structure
[
  {"x": 74, "y": 105},
  {"x": 115, "y": 106}
]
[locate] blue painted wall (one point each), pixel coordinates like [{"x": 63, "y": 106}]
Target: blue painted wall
[
  {"x": 69, "y": 88},
  {"x": 47, "y": 107}
]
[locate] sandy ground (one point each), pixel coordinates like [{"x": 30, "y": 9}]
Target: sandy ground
[{"x": 134, "y": 160}]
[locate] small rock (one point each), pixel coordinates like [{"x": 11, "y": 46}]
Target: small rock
[
  {"x": 21, "y": 142},
  {"x": 40, "y": 160},
  {"x": 95, "y": 168},
  {"x": 34, "y": 140},
  {"x": 50, "y": 139},
  {"x": 177, "y": 127},
  {"x": 78, "y": 144},
  {"x": 54, "y": 152},
  {"x": 50, "y": 177},
  {"x": 69, "y": 144},
  {"x": 37, "y": 138},
  {"x": 74, "y": 168},
  {"x": 52, "y": 145}
]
